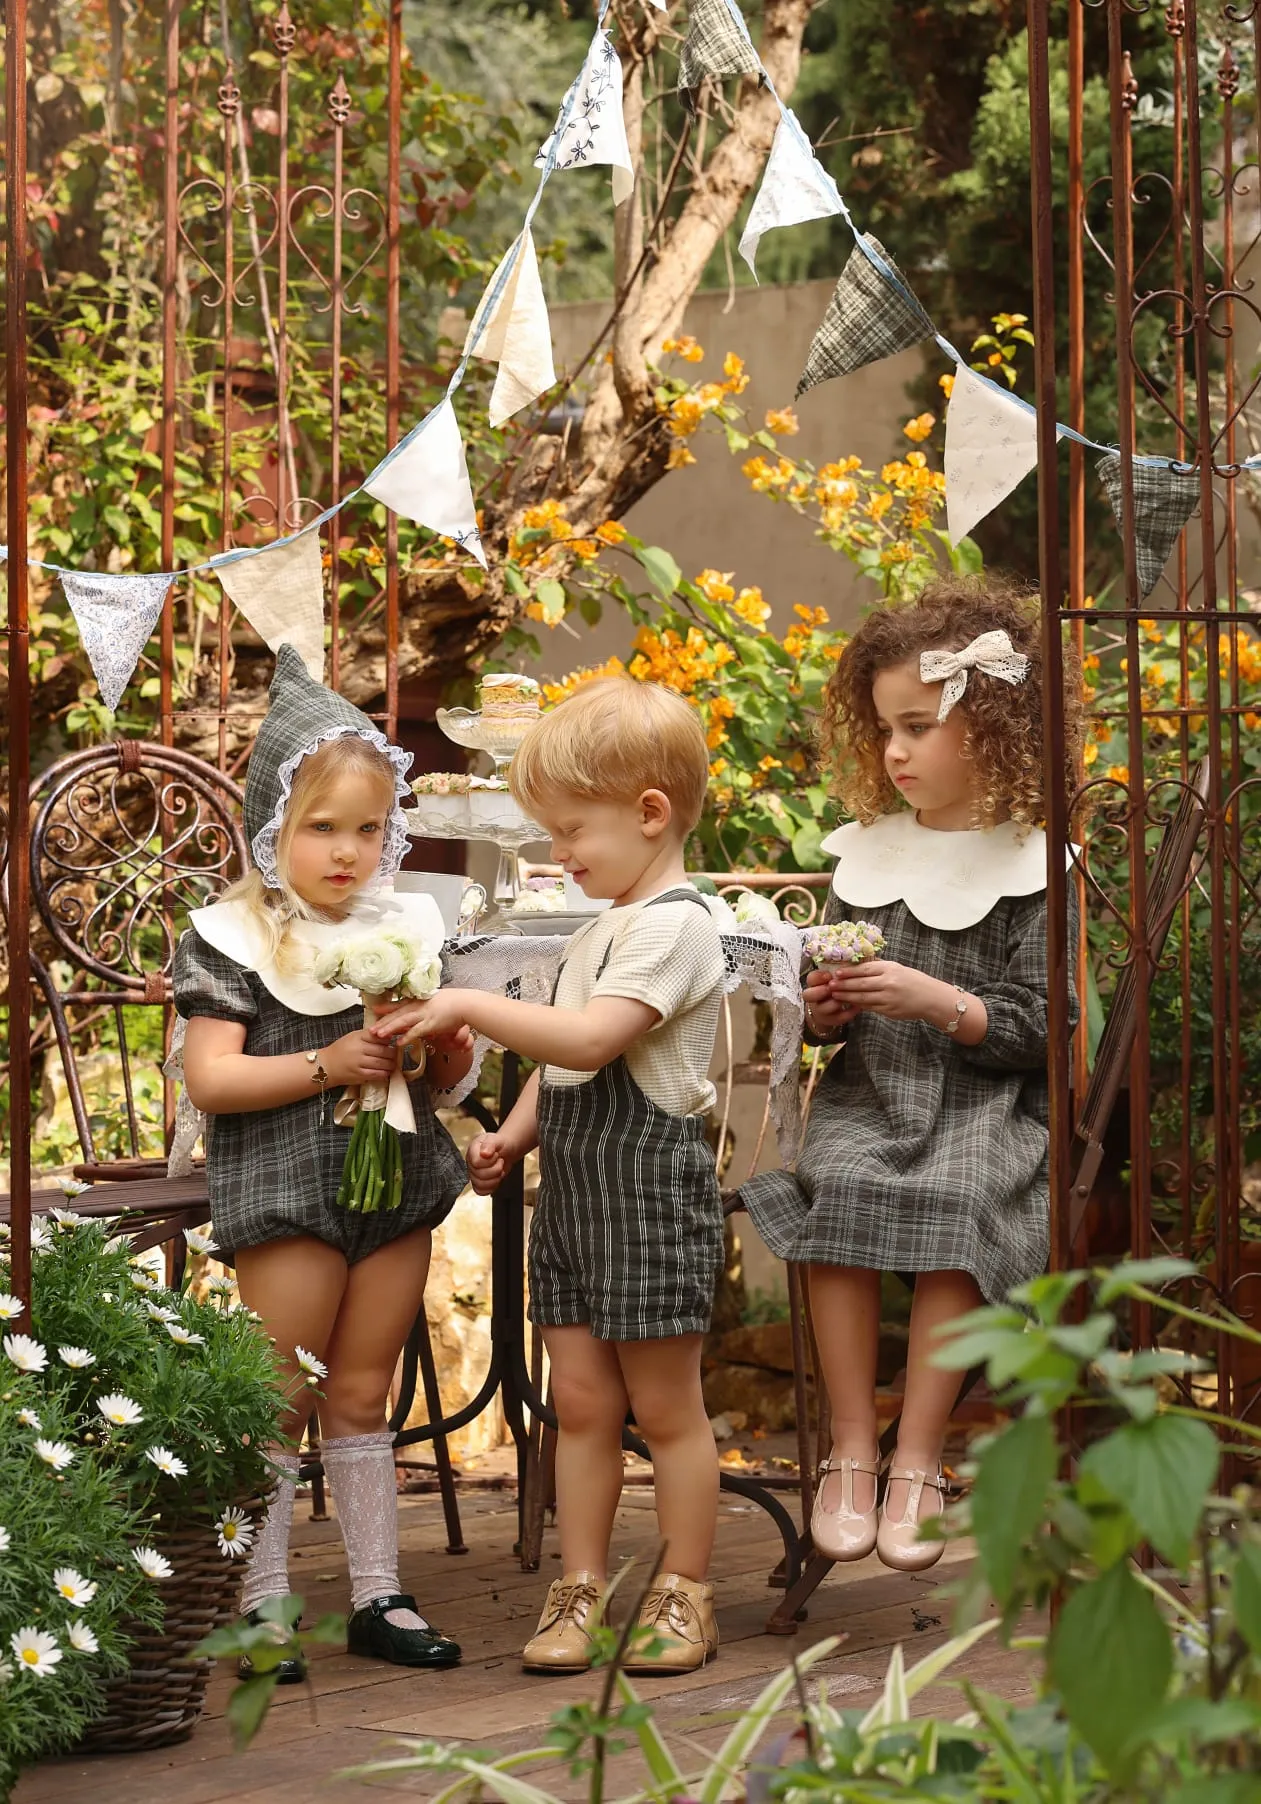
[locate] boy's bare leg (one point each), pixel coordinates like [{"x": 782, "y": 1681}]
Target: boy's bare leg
[
  {"x": 590, "y": 1400},
  {"x": 663, "y": 1379}
]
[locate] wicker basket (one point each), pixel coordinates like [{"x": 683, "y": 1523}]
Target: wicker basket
[{"x": 161, "y": 1698}]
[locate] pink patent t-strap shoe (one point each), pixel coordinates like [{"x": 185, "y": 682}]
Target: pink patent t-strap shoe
[
  {"x": 842, "y": 1532},
  {"x": 897, "y": 1541}
]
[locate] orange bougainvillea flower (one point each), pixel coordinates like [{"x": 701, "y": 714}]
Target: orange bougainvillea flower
[
  {"x": 684, "y": 347},
  {"x": 783, "y": 421},
  {"x": 611, "y": 533},
  {"x": 686, "y": 414},
  {"x": 750, "y": 606},
  {"x": 556, "y": 692},
  {"x": 918, "y": 429},
  {"x": 811, "y": 616},
  {"x": 946, "y": 385},
  {"x": 715, "y": 585},
  {"x": 680, "y": 457}
]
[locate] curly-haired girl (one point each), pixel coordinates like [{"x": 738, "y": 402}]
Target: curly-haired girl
[{"x": 926, "y": 1149}]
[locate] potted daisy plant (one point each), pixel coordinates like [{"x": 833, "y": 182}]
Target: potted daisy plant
[{"x": 134, "y": 1423}]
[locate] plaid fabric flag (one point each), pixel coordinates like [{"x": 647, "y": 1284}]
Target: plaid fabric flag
[
  {"x": 715, "y": 46},
  {"x": 1164, "y": 501},
  {"x": 867, "y": 319}
]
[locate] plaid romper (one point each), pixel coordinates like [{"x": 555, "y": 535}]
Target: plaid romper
[
  {"x": 627, "y": 1234},
  {"x": 274, "y": 1173}
]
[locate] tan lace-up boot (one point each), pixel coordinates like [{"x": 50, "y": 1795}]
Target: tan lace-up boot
[
  {"x": 562, "y": 1642},
  {"x": 679, "y": 1613}
]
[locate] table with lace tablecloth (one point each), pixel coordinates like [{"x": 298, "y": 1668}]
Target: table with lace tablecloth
[{"x": 767, "y": 964}]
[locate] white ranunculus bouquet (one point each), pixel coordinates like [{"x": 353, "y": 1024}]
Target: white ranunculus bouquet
[{"x": 387, "y": 963}]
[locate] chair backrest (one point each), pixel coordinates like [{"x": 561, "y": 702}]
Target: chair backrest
[{"x": 125, "y": 840}]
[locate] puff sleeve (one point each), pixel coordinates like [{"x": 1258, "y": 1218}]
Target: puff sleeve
[{"x": 207, "y": 982}]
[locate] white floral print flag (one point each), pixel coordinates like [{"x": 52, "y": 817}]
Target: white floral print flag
[
  {"x": 795, "y": 187},
  {"x": 425, "y": 478},
  {"x": 511, "y": 328},
  {"x": 280, "y": 591},
  {"x": 595, "y": 129},
  {"x": 116, "y": 616},
  {"x": 991, "y": 445}
]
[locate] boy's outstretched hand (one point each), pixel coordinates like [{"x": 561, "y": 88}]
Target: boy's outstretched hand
[
  {"x": 436, "y": 1017},
  {"x": 488, "y": 1158}
]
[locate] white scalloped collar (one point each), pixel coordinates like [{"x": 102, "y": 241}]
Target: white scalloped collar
[
  {"x": 231, "y": 929},
  {"x": 947, "y": 880}
]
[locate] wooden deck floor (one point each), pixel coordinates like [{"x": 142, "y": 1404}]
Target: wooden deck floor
[{"x": 483, "y": 1598}]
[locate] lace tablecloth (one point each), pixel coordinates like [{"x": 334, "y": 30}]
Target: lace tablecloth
[{"x": 767, "y": 964}]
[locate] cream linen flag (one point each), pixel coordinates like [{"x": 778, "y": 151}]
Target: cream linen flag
[
  {"x": 991, "y": 445},
  {"x": 116, "y": 616},
  {"x": 425, "y": 479},
  {"x": 595, "y": 129},
  {"x": 280, "y": 591},
  {"x": 514, "y": 332},
  {"x": 795, "y": 187}
]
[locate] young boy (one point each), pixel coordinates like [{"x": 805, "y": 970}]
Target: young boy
[{"x": 626, "y": 1241}]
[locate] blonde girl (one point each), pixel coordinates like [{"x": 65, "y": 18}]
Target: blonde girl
[{"x": 265, "y": 1047}]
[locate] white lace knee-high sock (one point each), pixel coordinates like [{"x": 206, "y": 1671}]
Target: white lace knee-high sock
[
  {"x": 268, "y": 1572},
  {"x": 360, "y": 1473}
]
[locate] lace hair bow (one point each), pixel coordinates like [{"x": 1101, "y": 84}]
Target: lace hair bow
[{"x": 993, "y": 653}]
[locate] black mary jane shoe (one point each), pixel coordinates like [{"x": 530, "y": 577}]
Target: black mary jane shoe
[
  {"x": 288, "y": 1672},
  {"x": 370, "y": 1633}
]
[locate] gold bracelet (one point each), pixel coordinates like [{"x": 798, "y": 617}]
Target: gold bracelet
[
  {"x": 961, "y": 1009},
  {"x": 319, "y": 1077}
]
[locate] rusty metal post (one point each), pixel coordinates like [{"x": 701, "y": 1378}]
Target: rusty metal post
[
  {"x": 1052, "y": 584},
  {"x": 19, "y": 652}
]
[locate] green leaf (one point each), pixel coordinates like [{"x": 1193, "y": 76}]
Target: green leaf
[
  {"x": 514, "y": 579},
  {"x": 1008, "y": 1496},
  {"x": 729, "y": 1761},
  {"x": 1200, "y": 1720},
  {"x": 1150, "y": 1273},
  {"x": 657, "y": 1756},
  {"x": 662, "y": 571},
  {"x": 1111, "y": 1660},
  {"x": 247, "y": 1706},
  {"x": 1161, "y": 1472},
  {"x": 1245, "y": 1594},
  {"x": 550, "y": 596}
]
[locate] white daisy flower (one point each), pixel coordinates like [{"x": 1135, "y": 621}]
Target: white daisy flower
[
  {"x": 198, "y": 1242},
  {"x": 235, "y": 1533},
  {"x": 73, "y": 1586},
  {"x": 10, "y": 1308},
  {"x": 119, "y": 1410},
  {"x": 107, "y": 1296},
  {"x": 6, "y": 1674},
  {"x": 4, "y": 1230},
  {"x": 37, "y": 1652},
  {"x": 67, "y": 1218},
  {"x": 55, "y": 1454},
  {"x": 72, "y": 1187},
  {"x": 29, "y": 1419},
  {"x": 181, "y": 1336},
  {"x": 77, "y": 1358},
  {"x": 41, "y": 1239},
  {"x": 165, "y": 1461},
  {"x": 152, "y": 1564},
  {"x": 26, "y": 1354},
  {"x": 158, "y": 1312},
  {"x": 146, "y": 1281},
  {"x": 82, "y": 1639},
  {"x": 5, "y": 1540},
  {"x": 220, "y": 1286},
  {"x": 309, "y": 1363}
]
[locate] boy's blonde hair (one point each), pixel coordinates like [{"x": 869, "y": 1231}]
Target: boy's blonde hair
[
  {"x": 610, "y": 741},
  {"x": 314, "y": 781}
]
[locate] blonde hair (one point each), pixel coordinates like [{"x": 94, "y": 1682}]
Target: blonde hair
[
  {"x": 1004, "y": 724},
  {"x": 315, "y": 779},
  {"x": 610, "y": 741}
]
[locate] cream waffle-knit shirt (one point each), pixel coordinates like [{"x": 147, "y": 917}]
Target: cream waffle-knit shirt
[{"x": 668, "y": 955}]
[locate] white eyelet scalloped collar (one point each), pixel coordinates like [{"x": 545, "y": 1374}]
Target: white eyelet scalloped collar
[
  {"x": 231, "y": 929},
  {"x": 947, "y": 880}
]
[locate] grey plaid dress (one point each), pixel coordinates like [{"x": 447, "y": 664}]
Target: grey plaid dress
[
  {"x": 627, "y": 1231},
  {"x": 274, "y": 1173},
  {"x": 921, "y": 1154}
]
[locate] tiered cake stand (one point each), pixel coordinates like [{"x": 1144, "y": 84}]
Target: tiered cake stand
[{"x": 489, "y": 815}]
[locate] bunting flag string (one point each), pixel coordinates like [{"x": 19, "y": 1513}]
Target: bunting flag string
[
  {"x": 280, "y": 591},
  {"x": 115, "y": 616},
  {"x": 1164, "y": 500},
  {"x": 991, "y": 441},
  {"x": 795, "y": 188},
  {"x": 426, "y": 479},
  {"x": 595, "y": 131}
]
